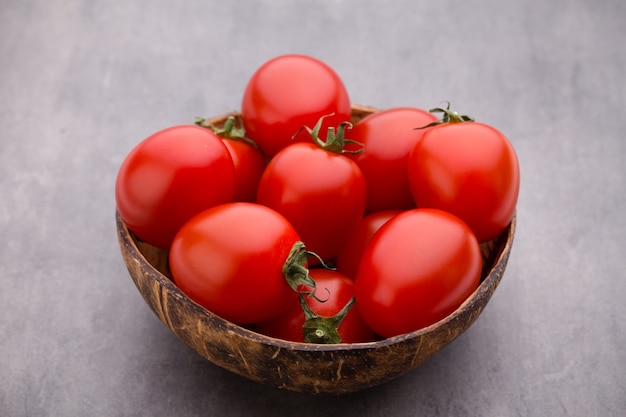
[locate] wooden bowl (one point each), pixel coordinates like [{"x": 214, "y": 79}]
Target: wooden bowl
[{"x": 301, "y": 367}]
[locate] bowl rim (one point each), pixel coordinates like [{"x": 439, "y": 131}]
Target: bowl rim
[{"x": 485, "y": 289}]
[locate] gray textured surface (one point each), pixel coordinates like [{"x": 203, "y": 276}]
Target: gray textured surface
[{"x": 82, "y": 81}]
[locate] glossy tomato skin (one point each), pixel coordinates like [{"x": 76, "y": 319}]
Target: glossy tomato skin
[
  {"x": 417, "y": 269},
  {"x": 321, "y": 193},
  {"x": 229, "y": 259},
  {"x": 249, "y": 164},
  {"x": 288, "y": 92},
  {"x": 336, "y": 290},
  {"x": 348, "y": 259},
  {"x": 469, "y": 169},
  {"x": 388, "y": 137},
  {"x": 169, "y": 177}
]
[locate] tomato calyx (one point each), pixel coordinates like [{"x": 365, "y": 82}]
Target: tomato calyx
[
  {"x": 296, "y": 273},
  {"x": 449, "y": 117},
  {"x": 319, "y": 329},
  {"x": 230, "y": 130},
  {"x": 335, "y": 137},
  {"x": 316, "y": 329}
]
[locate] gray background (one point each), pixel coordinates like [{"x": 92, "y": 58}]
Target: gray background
[{"x": 82, "y": 81}]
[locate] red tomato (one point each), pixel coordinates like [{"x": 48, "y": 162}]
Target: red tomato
[
  {"x": 348, "y": 259},
  {"x": 229, "y": 259},
  {"x": 248, "y": 161},
  {"x": 417, "y": 269},
  {"x": 249, "y": 165},
  {"x": 321, "y": 193},
  {"x": 336, "y": 290},
  {"x": 387, "y": 137},
  {"x": 469, "y": 169},
  {"x": 288, "y": 92},
  {"x": 169, "y": 177}
]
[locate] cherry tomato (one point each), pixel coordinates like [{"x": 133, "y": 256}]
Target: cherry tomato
[
  {"x": 348, "y": 259},
  {"x": 248, "y": 160},
  {"x": 417, "y": 269},
  {"x": 249, "y": 165},
  {"x": 169, "y": 177},
  {"x": 229, "y": 259},
  {"x": 335, "y": 291},
  {"x": 288, "y": 92},
  {"x": 321, "y": 193},
  {"x": 469, "y": 169},
  {"x": 387, "y": 137}
]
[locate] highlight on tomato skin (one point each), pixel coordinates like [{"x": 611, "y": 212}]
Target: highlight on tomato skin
[
  {"x": 290, "y": 91},
  {"x": 417, "y": 269}
]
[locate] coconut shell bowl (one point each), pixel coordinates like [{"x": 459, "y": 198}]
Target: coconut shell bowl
[{"x": 332, "y": 369}]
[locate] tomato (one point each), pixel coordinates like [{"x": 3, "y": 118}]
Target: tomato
[
  {"x": 288, "y": 92},
  {"x": 321, "y": 193},
  {"x": 469, "y": 169},
  {"x": 248, "y": 161},
  {"x": 249, "y": 165},
  {"x": 388, "y": 137},
  {"x": 335, "y": 291},
  {"x": 347, "y": 260},
  {"x": 169, "y": 177},
  {"x": 229, "y": 259},
  {"x": 417, "y": 269}
]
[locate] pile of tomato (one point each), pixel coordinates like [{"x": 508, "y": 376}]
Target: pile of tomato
[{"x": 290, "y": 220}]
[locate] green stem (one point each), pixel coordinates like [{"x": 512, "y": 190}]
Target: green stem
[
  {"x": 319, "y": 329},
  {"x": 295, "y": 269},
  {"x": 230, "y": 130},
  {"x": 449, "y": 117},
  {"x": 335, "y": 137}
]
